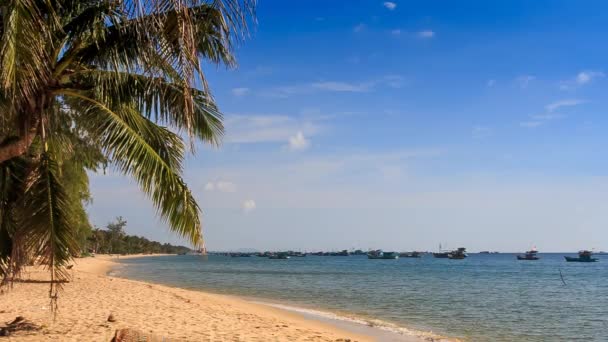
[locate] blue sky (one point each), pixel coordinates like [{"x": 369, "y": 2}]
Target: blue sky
[{"x": 402, "y": 125}]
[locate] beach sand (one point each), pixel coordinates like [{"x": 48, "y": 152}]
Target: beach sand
[{"x": 86, "y": 302}]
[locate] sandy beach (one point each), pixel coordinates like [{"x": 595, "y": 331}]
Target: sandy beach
[{"x": 181, "y": 315}]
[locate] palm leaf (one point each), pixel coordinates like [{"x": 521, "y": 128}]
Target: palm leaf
[
  {"x": 48, "y": 217},
  {"x": 12, "y": 256},
  {"x": 151, "y": 154},
  {"x": 157, "y": 99}
]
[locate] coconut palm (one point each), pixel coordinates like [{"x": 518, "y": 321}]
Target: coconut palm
[{"x": 90, "y": 83}]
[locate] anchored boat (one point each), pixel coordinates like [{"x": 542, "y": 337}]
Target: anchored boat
[
  {"x": 379, "y": 254},
  {"x": 410, "y": 255},
  {"x": 458, "y": 254},
  {"x": 530, "y": 255},
  {"x": 583, "y": 256}
]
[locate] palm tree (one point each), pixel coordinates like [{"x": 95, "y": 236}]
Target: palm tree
[{"x": 90, "y": 83}]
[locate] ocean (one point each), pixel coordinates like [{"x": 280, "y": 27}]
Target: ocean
[{"x": 486, "y": 297}]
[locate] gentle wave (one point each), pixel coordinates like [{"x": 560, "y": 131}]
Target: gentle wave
[{"x": 371, "y": 323}]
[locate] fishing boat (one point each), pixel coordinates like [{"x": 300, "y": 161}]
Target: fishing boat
[
  {"x": 281, "y": 255},
  {"x": 441, "y": 255},
  {"x": 343, "y": 252},
  {"x": 410, "y": 254},
  {"x": 583, "y": 256},
  {"x": 529, "y": 255},
  {"x": 240, "y": 255},
  {"x": 379, "y": 254},
  {"x": 458, "y": 254}
]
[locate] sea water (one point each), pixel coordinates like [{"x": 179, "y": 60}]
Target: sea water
[{"x": 486, "y": 297}]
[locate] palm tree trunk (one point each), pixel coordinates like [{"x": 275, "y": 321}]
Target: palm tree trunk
[{"x": 13, "y": 146}]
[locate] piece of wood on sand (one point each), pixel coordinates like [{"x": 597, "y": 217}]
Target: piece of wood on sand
[{"x": 132, "y": 335}]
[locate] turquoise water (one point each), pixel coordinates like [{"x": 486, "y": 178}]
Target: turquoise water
[{"x": 482, "y": 298}]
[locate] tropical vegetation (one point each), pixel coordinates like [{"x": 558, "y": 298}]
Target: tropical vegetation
[
  {"x": 114, "y": 240},
  {"x": 87, "y": 85}
]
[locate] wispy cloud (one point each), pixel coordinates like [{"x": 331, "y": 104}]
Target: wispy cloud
[
  {"x": 390, "y": 5},
  {"x": 240, "y": 91},
  {"x": 550, "y": 113},
  {"x": 249, "y": 129},
  {"x": 359, "y": 28},
  {"x": 491, "y": 83},
  {"x": 392, "y": 81},
  {"x": 563, "y": 103},
  {"x": 221, "y": 186},
  {"x": 343, "y": 86},
  {"x": 585, "y": 77},
  {"x": 298, "y": 142},
  {"x": 426, "y": 34},
  {"x": 248, "y": 206},
  {"x": 524, "y": 80},
  {"x": 581, "y": 79},
  {"x": 396, "y": 32}
]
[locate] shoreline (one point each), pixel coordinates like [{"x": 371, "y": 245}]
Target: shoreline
[
  {"x": 170, "y": 312},
  {"x": 376, "y": 329}
]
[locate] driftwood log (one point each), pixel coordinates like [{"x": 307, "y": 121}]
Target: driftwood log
[{"x": 132, "y": 335}]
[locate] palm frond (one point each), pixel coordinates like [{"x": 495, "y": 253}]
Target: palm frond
[
  {"x": 157, "y": 99},
  {"x": 49, "y": 220},
  {"x": 151, "y": 154},
  {"x": 12, "y": 254}
]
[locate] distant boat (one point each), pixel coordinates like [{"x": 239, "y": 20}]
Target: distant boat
[
  {"x": 530, "y": 255},
  {"x": 458, "y": 254},
  {"x": 240, "y": 255},
  {"x": 484, "y": 252},
  {"x": 279, "y": 256},
  {"x": 343, "y": 252},
  {"x": 379, "y": 254},
  {"x": 602, "y": 253},
  {"x": 410, "y": 254},
  {"x": 441, "y": 255},
  {"x": 583, "y": 256}
]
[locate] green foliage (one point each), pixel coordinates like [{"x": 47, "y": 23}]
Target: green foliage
[
  {"x": 87, "y": 84},
  {"x": 113, "y": 240}
]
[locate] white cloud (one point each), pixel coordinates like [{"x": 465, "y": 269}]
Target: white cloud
[
  {"x": 585, "y": 77},
  {"x": 426, "y": 34},
  {"x": 240, "y": 91},
  {"x": 581, "y": 79},
  {"x": 563, "y": 103},
  {"x": 525, "y": 80},
  {"x": 390, "y": 5},
  {"x": 248, "y": 206},
  {"x": 359, "y": 28},
  {"x": 298, "y": 142},
  {"x": 247, "y": 129},
  {"x": 221, "y": 186},
  {"x": 491, "y": 83}
]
